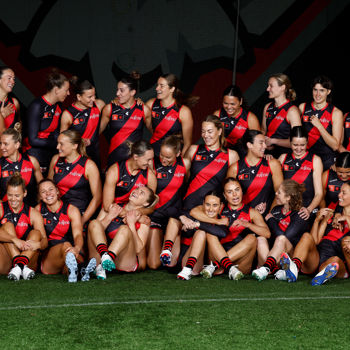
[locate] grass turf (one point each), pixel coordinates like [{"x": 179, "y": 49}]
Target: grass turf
[{"x": 153, "y": 310}]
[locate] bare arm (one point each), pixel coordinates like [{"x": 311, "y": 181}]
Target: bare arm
[
  {"x": 37, "y": 173},
  {"x": 52, "y": 165},
  {"x": 187, "y": 127},
  {"x": 253, "y": 122},
  {"x": 66, "y": 121},
  {"x": 148, "y": 118},
  {"x": 106, "y": 114},
  {"x": 317, "y": 179},
  {"x": 258, "y": 224},
  {"x": 37, "y": 222},
  {"x": 112, "y": 177},
  {"x": 77, "y": 229}
]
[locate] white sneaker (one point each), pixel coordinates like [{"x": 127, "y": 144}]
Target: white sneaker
[
  {"x": 281, "y": 275},
  {"x": 15, "y": 273},
  {"x": 208, "y": 270},
  {"x": 85, "y": 271},
  {"x": 100, "y": 272},
  {"x": 289, "y": 266},
  {"x": 165, "y": 257},
  {"x": 326, "y": 274},
  {"x": 234, "y": 273},
  {"x": 261, "y": 273},
  {"x": 72, "y": 265},
  {"x": 185, "y": 274},
  {"x": 107, "y": 262},
  {"x": 27, "y": 273}
]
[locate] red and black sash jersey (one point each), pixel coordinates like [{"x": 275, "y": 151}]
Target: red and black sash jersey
[
  {"x": 26, "y": 168},
  {"x": 235, "y": 127},
  {"x": 242, "y": 213},
  {"x": 125, "y": 124},
  {"x": 170, "y": 182},
  {"x": 127, "y": 182},
  {"x": 165, "y": 122},
  {"x": 20, "y": 220},
  {"x": 346, "y": 141},
  {"x": 57, "y": 224},
  {"x": 333, "y": 234},
  {"x": 316, "y": 144},
  {"x": 333, "y": 186},
  {"x": 114, "y": 226},
  {"x": 12, "y": 118},
  {"x": 256, "y": 182},
  {"x": 208, "y": 171},
  {"x": 301, "y": 170},
  {"x": 70, "y": 179}
]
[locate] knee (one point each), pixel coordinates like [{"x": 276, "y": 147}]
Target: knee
[
  {"x": 153, "y": 264},
  {"x": 93, "y": 226},
  {"x": 345, "y": 244},
  {"x": 261, "y": 242},
  {"x": 251, "y": 241},
  {"x": 34, "y": 235}
]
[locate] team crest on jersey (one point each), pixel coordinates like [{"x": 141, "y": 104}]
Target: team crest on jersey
[
  {"x": 117, "y": 117},
  {"x": 334, "y": 188},
  {"x": 155, "y": 115},
  {"x": 77, "y": 121},
  {"x": 347, "y": 125},
  {"x": 162, "y": 176},
  {"x": 46, "y": 115},
  {"x": 201, "y": 158},
  {"x": 47, "y": 221},
  {"x": 58, "y": 170},
  {"x": 6, "y": 173},
  {"x": 287, "y": 167},
  {"x": 122, "y": 184},
  {"x": 4, "y": 221},
  {"x": 243, "y": 177},
  {"x": 306, "y": 118},
  {"x": 226, "y": 125}
]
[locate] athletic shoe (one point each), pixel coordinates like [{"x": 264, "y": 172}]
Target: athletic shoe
[
  {"x": 165, "y": 257},
  {"x": 100, "y": 272},
  {"x": 261, "y": 273},
  {"x": 27, "y": 273},
  {"x": 71, "y": 263},
  {"x": 85, "y": 271},
  {"x": 185, "y": 274},
  {"x": 107, "y": 262},
  {"x": 289, "y": 266},
  {"x": 326, "y": 274},
  {"x": 281, "y": 275},
  {"x": 15, "y": 273},
  {"x": 234, "y": 273},
  {"x": 208, "y": 270}
]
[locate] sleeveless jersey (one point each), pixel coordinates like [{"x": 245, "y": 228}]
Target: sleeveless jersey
[
  {"x": 333, "y": 234},
  {"x": 170, "y": 182},
  {"x": 57, "y": 224},
  {"x": 242, "y": 213},
  {"x": 125, "y": 124},
  {"x": 346, "y": 142},
  {"x": 113, "y": 227},
  {"x": 26, "y": 168},
  {"x": 333, "y": 186},
  {"x": 301, "y": 170},
  {"x": 12, "y": 118},
  {"x": 316, "y": 143},
  {"x": 20, "y": 220},
  {"x": 165, "y": 122},
  {"x": 70, "y": 179},
  {"x": 256, "y": 182},
  {"x": 208, "y": 171},
  {"x": 87, "y": 123},
  {"x": 127, "y": 182}
]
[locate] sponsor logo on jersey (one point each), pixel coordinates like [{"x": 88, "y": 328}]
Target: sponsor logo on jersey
[{"x": 243, "y": 177}]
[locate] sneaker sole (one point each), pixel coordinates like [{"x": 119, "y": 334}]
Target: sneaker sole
[
  {"x": 239, "y": 275},
  {"x": 258, "y": 277},
  {"x": 71, "y": 263},
  {"x": 330, "y": 271},
  {"x": 108, "y": 265},
  {"x": 89, "y": 269},
  {"x": 285, "y": 265},
  {"x": 165, "y": 260},
  {"x": 30, "y": 276},
  {"x": 207, "y": 275},
  {"x": 13, "y": 277}
]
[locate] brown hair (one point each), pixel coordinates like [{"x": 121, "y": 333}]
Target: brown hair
[
  {"x": 75, "y": 139},
  {"x": 173, "y": 142},
  {"x": 283, "y": 79},
  {"x": 55, "y": 79},
  {"x": 218, "y": 125},
  {"x": 295, "y": 191},
  {"x": 16, "y": 136},
  {"x": 16, "y": 180}
]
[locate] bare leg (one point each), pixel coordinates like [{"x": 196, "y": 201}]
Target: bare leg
[
  {"x": 262, "y": 250},
  {"x": 154, "y": 247},
  {"x": 281, "y": 245},
  {"x": 54, "y": 261},
  {"x": 96, "y": 235},
  {"x": 196, "y": 250},
  {"x": 307, "y": 253}
]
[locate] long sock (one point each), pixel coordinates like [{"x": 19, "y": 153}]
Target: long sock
[
  {"x": 297, "y": 262},
  {"x": 271, "y": 264},
  {"x": 168, "y": 245},
  {"x": 111, "y": 254},
  {"x": 20, "y": 260},
  {"x": 216, "y": 264},
  {"x": 191, "y": 261},
  {"x": 102, "y": 248},
  {"x": 226, "y": 263}
]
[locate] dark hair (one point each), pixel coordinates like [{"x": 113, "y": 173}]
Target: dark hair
[
  {"x": 218, "y": 125},
  {"x": 231, "y": 179},
  {"x": 215, "y": 193},
  {"x": 79, "y": 86},
  {"x": 173, "y": 142},
  {"x": 132, "y": 81},
  {"x": 16, "y": 135},
  {"x": 295, "y": 191},
  {"x": 16, "y": 180},
  {"x": 2, "y": 70},
  {"x": 326, "y": 83},
  {"x": 343, "y": 160},
  {"x": 75, "y": 138},
  {"x": 152, "y": 198},
  {"x": 283, "y": 79},
  {"x": 235, "y": 91},
  {"x": 139, "y": 148},
  {"x": 180, "y": 97},
  {"x": 249, "y": 136},
  {"x": 298, "y": 131},
  {"x": 55, "y": 79}
]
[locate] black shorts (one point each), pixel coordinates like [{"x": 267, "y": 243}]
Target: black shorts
[
  {"x": 228, "y": 245},
  {"x": 328, "y": 248}
]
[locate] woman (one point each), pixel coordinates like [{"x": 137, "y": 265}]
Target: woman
[
  {"x": 259, "y": 177},
  {"x": 170, "y": 169},
  {"x": 235, "y": 118},
  {"x": 42, "y": 121},
  {"x": 84, "y": 116},
  {"x": 333, "y": 179},
  {"x": 171, "y": 114},
  {"x": 345, "y": 144},
  {"x": 234, "y": 252},
  {"x": 324, "y": 248},
  {"x": 13, "y": 161},
  {"x": 280, "y": 115},
  {"x": 9, "y": 106},
  {"x": 119, "y": 242},
  {"x": 64, "y": 229},
  {"x": 29, "y": 231},
  {"x": 123, "y": 177},
  {"x": 303, "y": 167},
  {"x": 124, "y": 119},
  {"x": 76, "y": 176},
  {"x": 322, "y": 121},
  {"x": 286, "y": 227}
]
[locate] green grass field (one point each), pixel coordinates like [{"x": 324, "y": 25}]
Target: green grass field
[{"x": 153, "y": 310}]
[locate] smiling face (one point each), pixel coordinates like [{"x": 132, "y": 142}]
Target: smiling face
[
  {"x": 144, "y": 161},
  {"x": 48, "y": 193},
  {"x": 211, "y": 206},
  {"x": 258, "y": 147},
  {"x": 7, "y": 80},
  {"x": 124, "y": 94},
  {"x": 87, "y": 98},
  {"x": 274, "y": 89},
  {"x": 281, "y": 196},
  {"x": 320, "y": 94},
  {"x": 163, "y": 89},
  {"x": 233, "y": 193},
  {"x": 344, "y": 195},
  {"x": 232, "y": 105},
  {"x": 299, "y": 145},
  {"x": 167, "y": 155},
  {"x": 139, "y": 196},
  {"x": 210, "y": 134},
  {"x": 8, "y": 146},
  {"x": 343, "y": 173},
  {"x": 64, "y": 146},
  {"x": 15, "y": 196}
]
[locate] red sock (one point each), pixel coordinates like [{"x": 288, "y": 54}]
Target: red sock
[
  {"x": 191, "y": 261},
  {"x": 168, "y": 244},
  {"x": 297, "y": 262}
]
